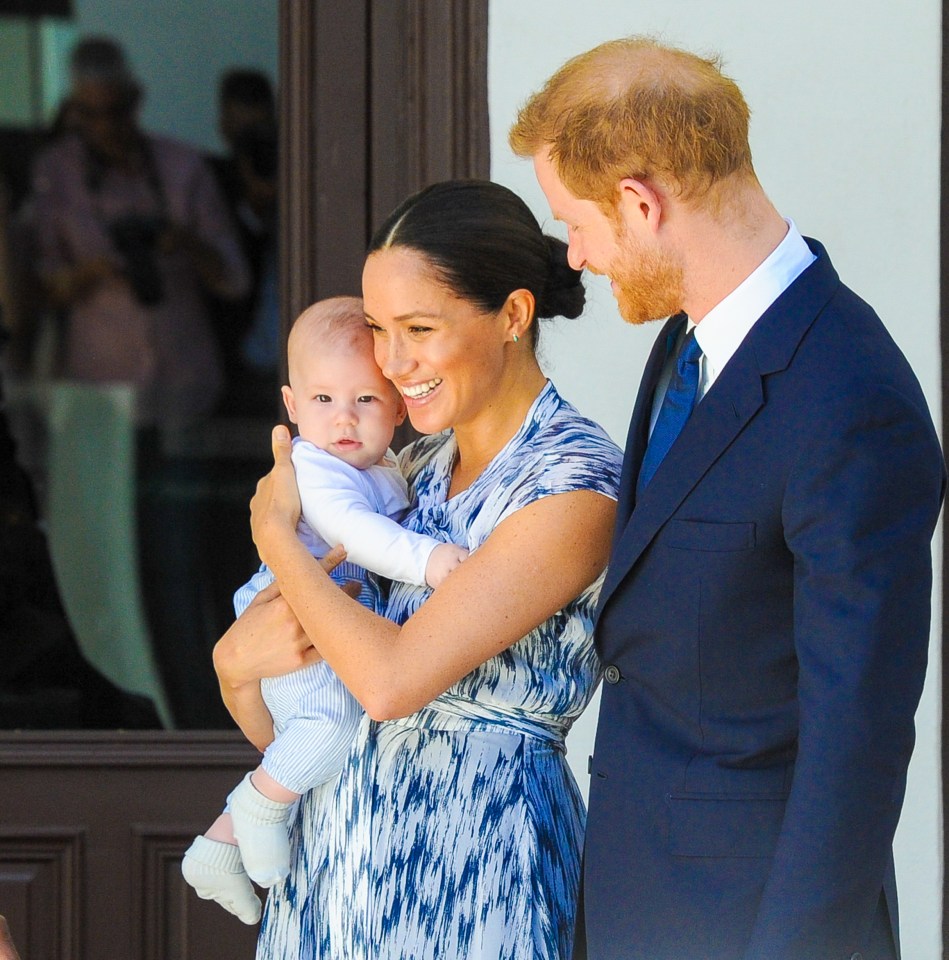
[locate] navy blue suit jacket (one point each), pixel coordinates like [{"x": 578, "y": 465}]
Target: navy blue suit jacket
[{"x": 765, "y": 623}]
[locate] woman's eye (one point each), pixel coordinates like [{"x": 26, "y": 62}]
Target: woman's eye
[{"x": 418, "y": 330}]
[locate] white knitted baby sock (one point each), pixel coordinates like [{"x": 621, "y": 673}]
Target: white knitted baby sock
[
  {"x": 215, "y": 871},
  {"x": 260, "y": 829}
]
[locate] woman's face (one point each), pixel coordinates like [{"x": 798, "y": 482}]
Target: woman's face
[{"x": 443, "y": 354}]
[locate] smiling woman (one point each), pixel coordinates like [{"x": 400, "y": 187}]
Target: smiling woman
[{"x": 456, "y": 796}]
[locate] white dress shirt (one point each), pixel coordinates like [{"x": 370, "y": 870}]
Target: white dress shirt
[{"x": 723, "y": 328}]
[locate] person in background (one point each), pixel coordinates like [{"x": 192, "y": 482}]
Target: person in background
[
  {"x": 132, "y": 234},
  {"x": 245, "y": 101},
  {"x": 765, "y": 619},
  {"x": 248, "y": 330},
  {"x": 45, "y": 681}
]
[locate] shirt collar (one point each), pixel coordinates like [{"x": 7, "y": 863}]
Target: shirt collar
[{"x": 723, "y": 328}]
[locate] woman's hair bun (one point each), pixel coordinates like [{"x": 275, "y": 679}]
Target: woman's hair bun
[
  {"x": 484, "y": 242},
  {"x": 563, "y": 294}
]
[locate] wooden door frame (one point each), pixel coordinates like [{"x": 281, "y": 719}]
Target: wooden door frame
[{"x": 374, "y": 128}]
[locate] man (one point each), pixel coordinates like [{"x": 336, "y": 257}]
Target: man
[
  {"x": 132, "y": 233},
  {"x": 247, "y": 330},
  {"x": 765, "y": 617}
]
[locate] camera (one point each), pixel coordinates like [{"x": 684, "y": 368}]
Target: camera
[{"x": 135, "y": 236}]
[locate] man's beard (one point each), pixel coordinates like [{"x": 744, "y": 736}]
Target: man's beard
[{"x": 648, "y": 283}]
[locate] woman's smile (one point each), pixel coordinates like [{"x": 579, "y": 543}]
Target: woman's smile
[{"x": 421, "y": 391}]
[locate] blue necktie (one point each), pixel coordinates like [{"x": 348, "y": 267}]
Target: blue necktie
[{"x": 676, "y": 408}]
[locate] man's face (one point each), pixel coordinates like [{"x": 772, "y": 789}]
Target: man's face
[
  {"x": 236, "y": 116},
  {"x": 645, "y": 279},
  {"x": 105, "y": 117}
]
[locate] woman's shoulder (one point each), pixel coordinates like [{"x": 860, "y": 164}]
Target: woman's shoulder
[
  {"x": 560, "y": 430},
  {"x": 559, "y": 451}
]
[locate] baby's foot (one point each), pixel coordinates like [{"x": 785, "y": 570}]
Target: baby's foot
[
  {"x": 215, "y": 871},
  {"x": 260, "y": 828}
]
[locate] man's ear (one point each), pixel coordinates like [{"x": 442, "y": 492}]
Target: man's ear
[
  {"x": 640, "y": 205},
  {"x": 289, "y": 403}
]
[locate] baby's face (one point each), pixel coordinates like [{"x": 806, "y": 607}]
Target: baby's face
[{"x": 341, "y": 403}]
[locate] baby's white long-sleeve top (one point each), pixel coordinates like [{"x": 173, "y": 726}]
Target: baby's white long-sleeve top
[
  {"x": 315, "y": 716},
  {"x": 359, "y": 509}
]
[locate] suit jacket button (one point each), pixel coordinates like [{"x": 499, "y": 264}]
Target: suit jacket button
[
  {"x": 857, "y": 956},
  {"x": 612, "y": 674}
]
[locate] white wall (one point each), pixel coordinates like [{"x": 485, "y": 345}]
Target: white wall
[{"x": 845, "y": 101}]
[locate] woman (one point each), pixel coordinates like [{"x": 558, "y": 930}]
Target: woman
[{"x": 455, "y": 828}]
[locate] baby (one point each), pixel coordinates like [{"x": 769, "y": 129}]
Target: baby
[{"x": 352, "y": 493}]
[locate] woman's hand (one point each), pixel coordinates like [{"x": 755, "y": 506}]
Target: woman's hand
[
  {"x": 265, "y": 641},
  {"x": 275, "y": 507}
]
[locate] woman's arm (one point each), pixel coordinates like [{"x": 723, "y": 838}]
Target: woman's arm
[
  {"x": 265, "y": 641},
  {"x": 533, "y": 564}
]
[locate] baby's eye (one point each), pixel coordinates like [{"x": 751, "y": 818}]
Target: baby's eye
[
  {"x": 366, "y": 398},
  {"x": 323, "y": 398}
]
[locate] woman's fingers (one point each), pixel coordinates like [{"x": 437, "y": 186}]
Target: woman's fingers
[
  {"x": 280, "y": 444},
  {"x": 275, "y": 505}
]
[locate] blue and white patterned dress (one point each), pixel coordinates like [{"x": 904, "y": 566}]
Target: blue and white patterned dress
[{"x": 456, "y": 832}]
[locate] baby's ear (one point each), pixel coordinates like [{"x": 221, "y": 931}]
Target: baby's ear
[
  {"x": 289, "y": 403},
  {"x": 401, "y": 412}
]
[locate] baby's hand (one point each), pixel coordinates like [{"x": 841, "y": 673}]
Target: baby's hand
[{"x": 444, "y": 558}]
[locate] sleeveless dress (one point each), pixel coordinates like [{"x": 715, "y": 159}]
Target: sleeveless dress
[{"x": 456, "y": 832}]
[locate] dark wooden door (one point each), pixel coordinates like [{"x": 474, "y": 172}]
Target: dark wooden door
[{"x": 92, "y": 831}]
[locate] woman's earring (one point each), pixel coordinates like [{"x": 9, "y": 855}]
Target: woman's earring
[{"x": 516, "y": 338}]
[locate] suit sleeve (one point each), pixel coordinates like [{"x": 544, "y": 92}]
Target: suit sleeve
[
  {"x": 859, "y": 512},
  {"x": 337, "y": 506}
]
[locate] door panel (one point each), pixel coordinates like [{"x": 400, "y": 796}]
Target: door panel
[{"x": 92, "y": 833}]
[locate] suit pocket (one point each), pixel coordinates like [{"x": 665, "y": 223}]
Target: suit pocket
[
  {"x": 711, "y": 537},
  {"x": 724, "y": 826}
]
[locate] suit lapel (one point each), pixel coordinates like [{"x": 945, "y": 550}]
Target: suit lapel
[{"x": 733, "y": 400}]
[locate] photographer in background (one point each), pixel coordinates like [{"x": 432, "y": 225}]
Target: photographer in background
[{"x": 133, "y": 235}]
